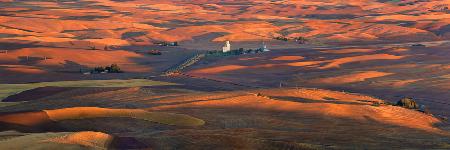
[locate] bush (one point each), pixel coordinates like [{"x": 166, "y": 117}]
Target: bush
[
  {"x": 282, "y": 38},
  {"x": 114, "y": 69},
  {"x": 241, "y": 51},
  {"x": 301, "y": 40},
  {"x": 259, "y": 50},
  {"x": 99, "y": 69},
  {"x": 408, "y": 103},
  {"x": 236, "y": 52}
]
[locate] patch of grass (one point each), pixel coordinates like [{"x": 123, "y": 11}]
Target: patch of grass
[
  {"x": 11, "y": 89},
  {"x": 4, "y": 104},
  {"x": 5, "y": 135}
]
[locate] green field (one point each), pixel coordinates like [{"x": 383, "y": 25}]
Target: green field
[
  {"x": 4, "y": 104},
  {"x": 11, "y": 89}
]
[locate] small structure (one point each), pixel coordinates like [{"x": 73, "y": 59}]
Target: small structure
[
  {"x": 264, "y": 47},
  {"x": 227, "y": 47}
]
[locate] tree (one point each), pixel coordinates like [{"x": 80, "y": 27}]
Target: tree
[
  {"x": 282, "y": 38},
  {"x": 301, "y": 40},
  {"x": 241, "y": 50},
  {"x": 259, "y": 50},
  {"x": 236, "y": 52},
  {"x": 114, "y": 68},
  {"x": 408, "y": 103},
  {"x": 99, "y": 69}
]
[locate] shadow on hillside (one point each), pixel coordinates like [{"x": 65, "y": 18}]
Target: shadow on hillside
[
  {"x": 302, "y": 100},
  {"x": 19, "y": 121},
  {"x": 15, "y": 46},
  {"x": 73, "y": 67},
  {"x": 35, "y": 94}
]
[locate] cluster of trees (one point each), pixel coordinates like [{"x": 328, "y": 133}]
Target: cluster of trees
[
  {"x": 411, "y": 104},
  {"x": 239, "y": 51},
  {"x": 114, "y": 68},
  {"x": 408, "y": 103},
  {"x": 300, "y": 39},
  {"x": 282, "y": 38},
  {"x": 163, "y": 43}
]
